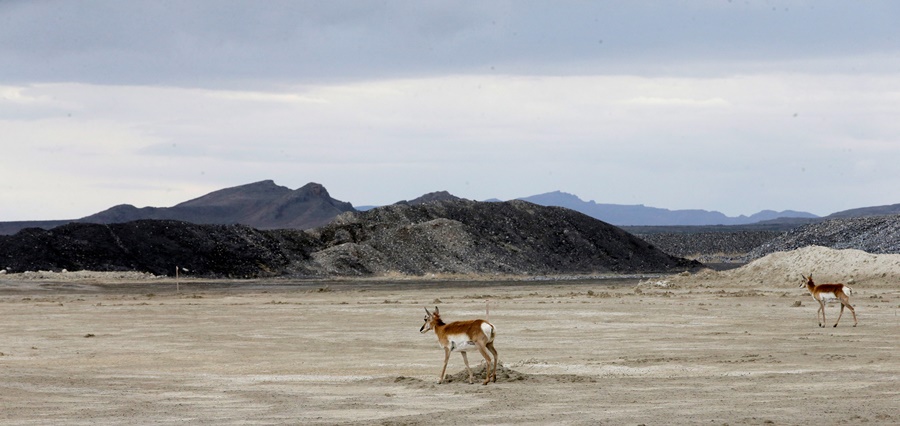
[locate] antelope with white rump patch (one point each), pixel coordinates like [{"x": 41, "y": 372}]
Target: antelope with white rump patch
[
  {"x": 463, "y": 336},
  {"x": 824, "y": 293}
]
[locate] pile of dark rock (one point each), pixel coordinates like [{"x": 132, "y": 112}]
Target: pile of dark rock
[
  {"x": 711, "y": 245},
  {"x": 722, "y": 246},
  {"x": 469, "y": 237},
  {"x": 156, "y": 247},
  {"x": 452, "y": 236},
  {"x": 442, "y": 237},
  {"x": 873, "y": 234}
]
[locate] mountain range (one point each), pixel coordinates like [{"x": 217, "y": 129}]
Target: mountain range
[
  {"x": 640, "y": 215},
  {"x": 266, "y": 205}
]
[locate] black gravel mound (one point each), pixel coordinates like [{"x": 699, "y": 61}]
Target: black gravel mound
[
  {"x": 458, "y": 236},
  {"x": 711, "y": 247},
  {"x": 513, "y": 237},
  {"x": 874, "y": 234},
  {"x": 157, "y": 247}
]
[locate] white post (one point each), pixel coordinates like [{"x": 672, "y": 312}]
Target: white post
[{"x": 177, "y": 281}]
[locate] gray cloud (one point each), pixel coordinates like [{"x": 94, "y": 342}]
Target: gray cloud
[{"x": 209, "y": 43}]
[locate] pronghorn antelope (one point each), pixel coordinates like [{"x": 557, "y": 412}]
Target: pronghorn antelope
[
  {"x": 829, "y": 293},
  {"x": 463, "y": 336}
]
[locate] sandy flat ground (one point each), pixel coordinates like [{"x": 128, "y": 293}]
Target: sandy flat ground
[{"x": 575, "y": 352}]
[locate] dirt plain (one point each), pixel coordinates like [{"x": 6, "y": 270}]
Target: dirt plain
[{"x": 596, "y": 351}]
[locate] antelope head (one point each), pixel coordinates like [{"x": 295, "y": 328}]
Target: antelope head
[
  {"x": 429, "y": 320},
  {"x": 807, "y": 280}
]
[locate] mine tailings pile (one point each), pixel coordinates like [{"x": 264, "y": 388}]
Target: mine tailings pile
[{"x": 447, "y": 237}]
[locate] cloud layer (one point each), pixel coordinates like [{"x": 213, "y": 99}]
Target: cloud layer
[{"x": 732, "y": 106}]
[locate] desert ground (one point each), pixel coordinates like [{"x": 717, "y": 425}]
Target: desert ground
[{"x": 683, "y": 350}]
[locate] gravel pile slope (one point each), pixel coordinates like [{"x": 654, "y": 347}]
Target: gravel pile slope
[
  {"x": 466, "y": 237},
  {"x": 873, "y": 234},
  {"x": 446, "y": 237},
  {"x": 877, "y": 234},
  {"x": 156, "y": 247},
  {"x": 710, "y": 247}
]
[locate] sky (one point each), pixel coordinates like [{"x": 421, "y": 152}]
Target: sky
[{"x": 736, "y": 106}]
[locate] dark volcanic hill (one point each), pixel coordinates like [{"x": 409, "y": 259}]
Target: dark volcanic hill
[
  {"x": 261, "y": 205},
  {"x": 460, "y": 236}
]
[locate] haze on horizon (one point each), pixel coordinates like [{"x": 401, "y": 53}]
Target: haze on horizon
[{"x": 735, "y": 106}]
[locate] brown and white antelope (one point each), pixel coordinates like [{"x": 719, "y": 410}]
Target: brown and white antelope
[
  {"x": 824, "y": 293},
  {"x": 463, "y": 336}
]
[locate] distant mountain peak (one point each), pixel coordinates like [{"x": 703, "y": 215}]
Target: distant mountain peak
[
  {"x": 262, "y": 205},
  {"x": 314, "y": 189},
  {"x": 560, "y": 198},
  {"x": 251, "y": 192},
  {"x": 559, "y": 193}
]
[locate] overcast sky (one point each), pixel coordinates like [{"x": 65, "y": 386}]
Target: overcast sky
[{"x": 735, "y": 106}]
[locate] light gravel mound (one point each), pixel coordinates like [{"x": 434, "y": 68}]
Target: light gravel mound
[{"x": 784, "y": 269}]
